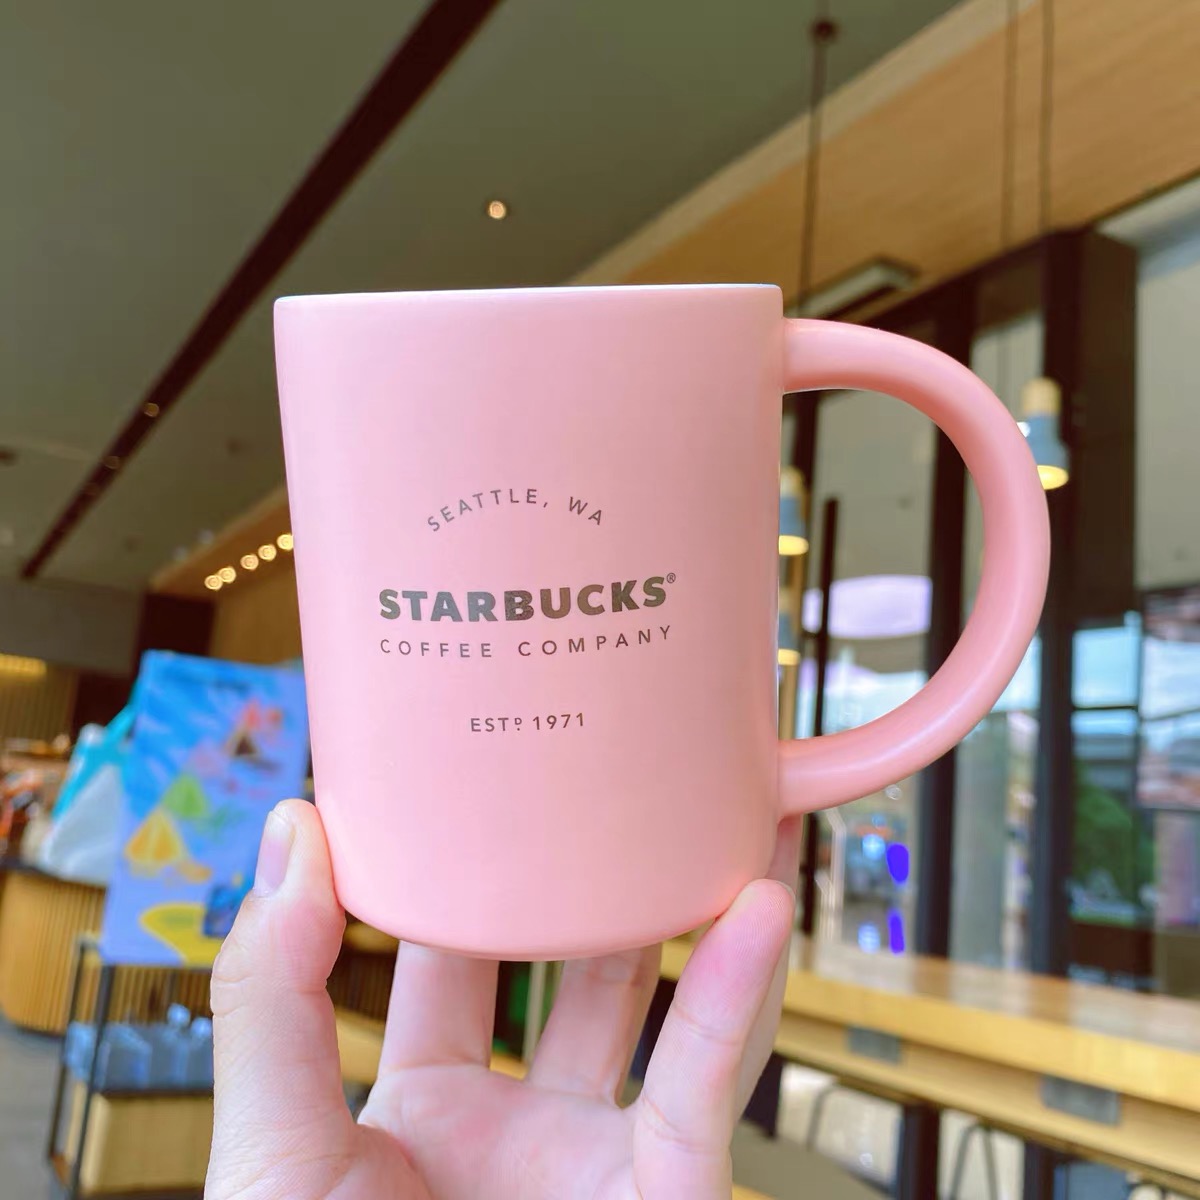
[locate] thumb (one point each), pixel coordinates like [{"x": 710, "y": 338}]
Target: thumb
[{"x": 278, "y": 1092}]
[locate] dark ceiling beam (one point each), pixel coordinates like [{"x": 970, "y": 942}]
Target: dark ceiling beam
[{"x": 431, "y": 46}]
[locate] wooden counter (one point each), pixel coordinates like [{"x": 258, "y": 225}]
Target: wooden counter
[
  {"x": 41, "y": 919},
  {"x": 991, "y": 1043}
]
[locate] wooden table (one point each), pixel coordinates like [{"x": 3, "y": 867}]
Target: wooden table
[{"x": 993, "y": 1044}]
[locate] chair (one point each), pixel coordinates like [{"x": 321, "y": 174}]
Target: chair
[
  {"x": 815, "y": 1118},
  {"x": 989, "y": 1160}
]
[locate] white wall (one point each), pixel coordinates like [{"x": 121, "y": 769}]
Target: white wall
[{"x": 1168, "y": 414}]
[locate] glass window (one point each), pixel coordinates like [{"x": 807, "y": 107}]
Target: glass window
[
  {"x": 1177, "y": 889},
  {"x": 994, "y": 797},
  {"x": 1107, "y": 664},
  {"x": 1169, "y": 771},
  {"x": 996, "y": 763},
  {"x": 1171, "y": 653},
  {"x": 875, "y": 456},
  {"x": 1114, "y": 845},
  {"x": 1004, "y": 356},
  {"x": 1168, "y": 571}
]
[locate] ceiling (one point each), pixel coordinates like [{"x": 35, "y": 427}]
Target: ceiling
[{"x": 147, "y": 146}]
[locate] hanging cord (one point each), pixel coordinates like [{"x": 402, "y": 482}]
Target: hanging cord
[
  {"x": 1008, "y": 155},
  {"x": 821, "y": 32},
  {"x": 1046, "y": 117},
  {"x": 1008, "y": 174}
]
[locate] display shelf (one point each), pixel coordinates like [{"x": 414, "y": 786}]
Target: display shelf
[
  {"x": 109, "y": 1141},
  {"x": 62, "y": 1172},
  {"x": 118, "y": 1094},
  {"x": 140, "y": 1143}
]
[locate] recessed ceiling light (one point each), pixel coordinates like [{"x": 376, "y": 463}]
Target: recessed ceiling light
[
  {"x": 250, "y": 561},
  {"x": 213, "y": 583},
  {"x": 284, "y": 541},
  {"x": 266, "y": 552},
  {"x": 227, "y": 574},
  {"x": 497, "y": 210}
]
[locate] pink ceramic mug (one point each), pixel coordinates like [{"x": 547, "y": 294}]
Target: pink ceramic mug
[{"x": 535, "y": 537}]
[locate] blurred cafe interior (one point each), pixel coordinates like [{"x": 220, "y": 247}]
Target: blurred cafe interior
[{"x": 995, "y": 977}]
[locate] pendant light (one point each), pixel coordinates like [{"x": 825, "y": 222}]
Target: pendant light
[
  {"x": 793, "y": 490},
  {"x": 821, "y": 33},
  {"x": 793, "y": 532},
  {"x": 789, "y": 641},
  {"x": 1041, "y": 398},
  {"x": 867, "y": 282},
  {"x": 1041, "y": 406},
  {"x": 1008, "y": 177}
]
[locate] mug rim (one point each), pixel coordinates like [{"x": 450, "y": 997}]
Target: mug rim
[{"x": 336, "y": 298}]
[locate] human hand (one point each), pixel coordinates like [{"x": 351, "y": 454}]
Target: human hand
[{"x": 439, "y": 1125}]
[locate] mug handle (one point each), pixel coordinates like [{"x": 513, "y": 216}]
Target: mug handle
[{"x": 820, "y": 772}]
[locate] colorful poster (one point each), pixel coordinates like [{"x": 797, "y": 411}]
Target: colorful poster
[{"x": 216, "y": 745}]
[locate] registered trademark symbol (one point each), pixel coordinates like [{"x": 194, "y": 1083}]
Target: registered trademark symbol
[{"x": 671, "y": 577}]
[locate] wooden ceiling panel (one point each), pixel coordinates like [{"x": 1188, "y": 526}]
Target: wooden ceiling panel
[{"x": 917, "y": 176}]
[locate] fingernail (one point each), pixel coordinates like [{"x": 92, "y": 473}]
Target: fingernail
[{"x": 273, "y": 854}]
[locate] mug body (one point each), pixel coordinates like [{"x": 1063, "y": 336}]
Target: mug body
[{"x": 535, "y": 541}]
